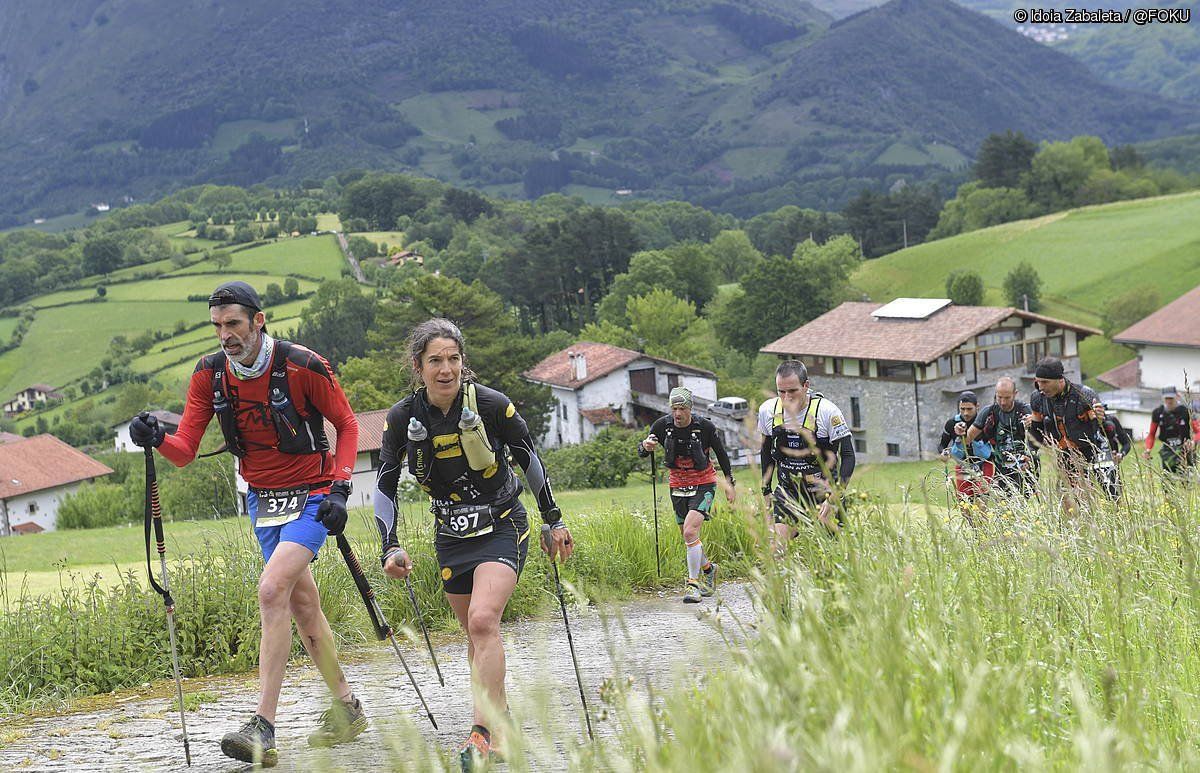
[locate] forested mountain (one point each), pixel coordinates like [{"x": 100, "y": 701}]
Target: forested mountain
[{"x": 743, "y": 107}]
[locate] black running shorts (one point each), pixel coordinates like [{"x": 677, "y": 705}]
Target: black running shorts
[{"x": 507, "y": 543}]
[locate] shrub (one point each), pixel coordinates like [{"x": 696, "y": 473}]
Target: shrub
[{"x": 605, "y": 461}]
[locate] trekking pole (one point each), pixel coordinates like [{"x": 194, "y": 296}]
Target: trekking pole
[
  {"x": 382, "y": 629},
  {"x": 154, "y": 518},
  {"x": 567, "y": 624},
  {"x": 654, "y": 492},
  {"x": 417, "y": 611}
]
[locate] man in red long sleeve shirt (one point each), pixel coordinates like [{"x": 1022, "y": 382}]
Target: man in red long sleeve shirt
[
  {"x": 270, "y": 398},
  {"x": 1172, "y": 423}
]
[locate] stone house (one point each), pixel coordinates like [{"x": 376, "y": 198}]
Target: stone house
[{"x": 896, "y": 370}]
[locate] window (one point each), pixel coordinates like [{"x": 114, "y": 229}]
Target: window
[
  {"x": 896, "y": 370},
  {"x": 816, "y": 366},
  {"x": 864, "y": 367},
  {"x": 32, "y": 508},
  {"x": 860, "y": 445},
  {"x": 966, "y": 366},
  {"x": 999, "y": 337},
  {"x": 998, "y": 358},
  {"x": 855, "y": 412},
  {"x": 672, "y": 381},
  {"x": 1055, "y": 346},
  {"x": 893, "y": 449},
  {"x": 562, "y": 411},
  {"x": 943, "y": 365},
  {"x": 836, "y": 365}
]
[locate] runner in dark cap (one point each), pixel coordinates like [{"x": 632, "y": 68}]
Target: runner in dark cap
[
  {"x": 973, "y": 468},
  {"x": 271, "y": 400}
]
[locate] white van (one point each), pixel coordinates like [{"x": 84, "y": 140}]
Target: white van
[{"x": 733, "y": 407}]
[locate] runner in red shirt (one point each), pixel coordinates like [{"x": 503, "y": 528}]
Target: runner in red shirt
[
  {"x": 270, "y": 399},
  {"x": 686, "y": 444}
]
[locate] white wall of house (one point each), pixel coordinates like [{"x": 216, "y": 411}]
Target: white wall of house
[
  {"x": 122, "y": 441},
  {"x": 701, "y": 386},
  {"x": 40, "y": 507},
  {"x": 567, "y": 427},
  {"x": 1169, "y": 366}
]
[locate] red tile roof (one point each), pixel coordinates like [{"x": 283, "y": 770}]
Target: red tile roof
[
  {"x": 1172, "y": 325},
  {"x": 43, "y": 462},
  {"x": 850, "y": 331},
  {"x": 601, "y": 416},
  {"x": 8, "y": 437},
  {"x": 1127, "y": 375},
  {"x": 601, "y": 359},
  {"x": 370, "y": 430}
]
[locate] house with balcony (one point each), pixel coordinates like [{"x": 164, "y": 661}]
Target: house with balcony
[
  {"x": 896, "y": 369},
  {"x": 596, "y": 385}
]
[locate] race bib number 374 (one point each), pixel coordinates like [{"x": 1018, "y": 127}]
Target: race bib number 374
[{"x": 279, "y": 506}]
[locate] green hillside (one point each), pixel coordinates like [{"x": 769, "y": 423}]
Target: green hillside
[
  {"x": 1085, "y": 257},
  {"x": 742, "y": 107},
  {"x": 72, "y": 332}
]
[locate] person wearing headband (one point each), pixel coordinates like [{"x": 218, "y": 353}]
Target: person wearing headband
[
  {"x": 688, "y": 443},
  {"x": 973, "y": 466}
]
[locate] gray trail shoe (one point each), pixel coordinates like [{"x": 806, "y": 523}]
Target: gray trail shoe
[
  {"x": 693, "y": 592},
  {"x": 254, "y": 743},
  {"x": 340, "y": 723},
  {"x": 709, "y": 582}
]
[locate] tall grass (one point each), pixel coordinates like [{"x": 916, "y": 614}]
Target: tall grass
[
  {"x": 1029, "y": 640},
  {"x": 90, "y": 637}
]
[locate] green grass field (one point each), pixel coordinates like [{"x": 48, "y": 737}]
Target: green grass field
[
  {"x": 446, "y": 117},
  {"x": 66, "y": 343},
  {"x": 7, "y": 326},
  {"x": 329, "y": 221},
  {"x": 316, "y": 256},
  {"x": 1084, "y": 256},
  {"x": 232, "y": 134},
  {"x": 390, "y": 238},
  {"x": 40, "y": 562}
]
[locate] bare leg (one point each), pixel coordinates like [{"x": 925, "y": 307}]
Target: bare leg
[
  {"x": 288, "y": 563},
  {"x": 493, "y": 586},
  {"x": 316, "y": 635}
]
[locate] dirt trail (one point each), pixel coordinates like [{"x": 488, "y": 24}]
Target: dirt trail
[{"x": 656, "y": 640}]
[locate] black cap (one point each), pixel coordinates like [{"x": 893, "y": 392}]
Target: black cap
[
  {"x": 235, "y": 292},
  {"x": 1049, "y": 368},
  {"x": 968, "y": 397}
]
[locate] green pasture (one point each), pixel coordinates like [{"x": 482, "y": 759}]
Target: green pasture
[
  {"x": 1084, "y": 256},
  {"x": 329, "y": 221},
  {"x": 390, "y": 238},
  {"x": 446, "y": 117},
  {"x": 7, "y": 326},
  {"x": 316, "y": 256},
  {"x": 232, "y": 134},
  {"x": 65, "y": 343}
]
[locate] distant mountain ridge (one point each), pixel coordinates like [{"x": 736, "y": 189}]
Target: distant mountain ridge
[{"x": 740, "y": 106}]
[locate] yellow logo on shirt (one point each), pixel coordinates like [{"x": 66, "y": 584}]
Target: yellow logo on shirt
[
  {"x": 447, "y": 446},
  {"x": 836, "y": 421},
  {"x": 509, "y": 411}
]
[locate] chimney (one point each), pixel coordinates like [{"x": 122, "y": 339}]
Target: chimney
[{"x": 580, "y": 366}]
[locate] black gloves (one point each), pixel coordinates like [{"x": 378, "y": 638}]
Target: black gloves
[
  {"x": 331, "y": 513},
  {"x": 145, "y": 431}
]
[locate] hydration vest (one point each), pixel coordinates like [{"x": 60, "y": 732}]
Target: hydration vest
[
  {"x": 295, "y": 434},
  {"x": 444, "y": 455},
  {"x": 683, "y": 442}
]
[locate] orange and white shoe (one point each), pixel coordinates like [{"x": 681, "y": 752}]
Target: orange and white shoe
[{"x": 477, "y": 752}]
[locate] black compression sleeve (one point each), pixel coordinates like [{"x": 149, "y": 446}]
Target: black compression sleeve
[
  {"x": 385, "y": 504},
  {"x": 846, "y": 459},
  {"x": 718, "y": 446}
]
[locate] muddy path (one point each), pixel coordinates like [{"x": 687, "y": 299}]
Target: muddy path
[{"x": 657, "y": 641}]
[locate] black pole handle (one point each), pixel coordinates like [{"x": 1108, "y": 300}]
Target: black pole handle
[{"x": 382, "y": 629}]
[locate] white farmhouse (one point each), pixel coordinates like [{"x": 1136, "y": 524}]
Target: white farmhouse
[
  {"x": 595, "y": 385},
  {"x": 1168, "y": 354},
  {"x": 35, "y": 475}
]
